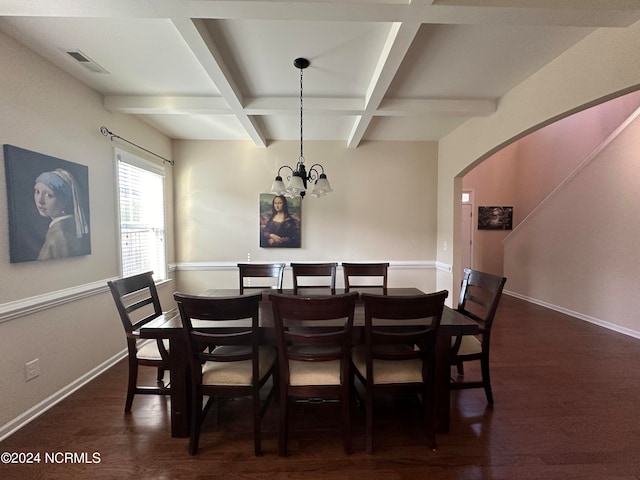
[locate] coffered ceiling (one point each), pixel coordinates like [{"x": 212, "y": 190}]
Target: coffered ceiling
[{"x": 380, "y": 69}]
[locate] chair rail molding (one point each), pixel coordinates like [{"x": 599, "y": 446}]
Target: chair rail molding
[
  {"x": 38, "y": 303},
  {"x": 444, "y": 267},
  {"x": 221, "y": 266}
]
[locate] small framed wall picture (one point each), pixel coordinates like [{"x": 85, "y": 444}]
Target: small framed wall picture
[
  {"x": 495, "y": 218},
  {"x": 280, "y": 221}
]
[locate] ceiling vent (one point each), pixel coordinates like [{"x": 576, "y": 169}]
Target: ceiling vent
[{"x": 85, "y": 61}]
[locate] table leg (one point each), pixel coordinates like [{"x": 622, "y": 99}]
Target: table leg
[
  {"x": 180, "y": 388},
  {"x": 443, "y": 377}
]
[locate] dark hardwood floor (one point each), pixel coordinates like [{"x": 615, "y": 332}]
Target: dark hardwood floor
[{"x": 567, "y": 406}]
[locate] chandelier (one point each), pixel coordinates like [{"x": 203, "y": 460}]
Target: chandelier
[{"x": 299, "y": 178}]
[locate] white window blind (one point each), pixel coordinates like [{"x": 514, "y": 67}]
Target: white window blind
[{"x": 142, "y": 230}]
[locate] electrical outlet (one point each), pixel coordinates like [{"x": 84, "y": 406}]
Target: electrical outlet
[{"x": 31, "y": 369}]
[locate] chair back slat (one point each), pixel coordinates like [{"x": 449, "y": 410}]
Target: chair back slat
[
  {"x": 262, "y": 271},
  {"x": 313, "y": 322},
  {"x": 240, "y": 317},
  {"x": 479, "y": 296},
  {"x": 313, "y": 273},
  {"x": 404, "y": 312},
  {"x": 354, "y": 270},
  {"x": 137, "y": 305},
  {"x": 131, "y": 295}
]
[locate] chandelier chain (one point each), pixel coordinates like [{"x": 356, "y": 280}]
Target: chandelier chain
[{"x": 301, "y": 154}]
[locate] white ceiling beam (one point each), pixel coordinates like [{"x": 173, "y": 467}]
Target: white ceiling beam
[
  {"x": 218, "y": 105},
  {"x": 562, "y": 12},
  {"x": 147, "y": 105},
  {"x": 583, "y": 13},
  {"x": 398, "y": 42},
  {"x": 531, "y": 16},
  {"x": 455, "y": 107},
  {"x": 199, "y": 41},
  {"x": 398, "y": 107},
  {"x": 291, "y": 105}
]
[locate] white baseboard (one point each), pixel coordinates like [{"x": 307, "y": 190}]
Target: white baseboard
[
  {"x": 578, "y": 315},
  {"x": 34, "y": 412}
]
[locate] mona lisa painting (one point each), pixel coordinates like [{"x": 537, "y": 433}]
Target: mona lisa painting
[
  {"x": 48, "y": 202},
  {"x": 279, "y": 221}
]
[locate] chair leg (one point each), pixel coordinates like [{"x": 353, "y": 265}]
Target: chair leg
[
  {"x": 369, "y": 418},
  {"x": 160, "y": 376},
  {"x": 284, "y": 422},
  {"x": 257, "y": 433},
  {"x": 196, "y": 422},
  {"x": 355, "y": 394},
  {"x": 428, "y": 406},
  {"x": 131, "y": 386},
  {"x": 346, "y": 419},
  {"x": 486, "y": 379},
  {"x": 460, "y": 368}
]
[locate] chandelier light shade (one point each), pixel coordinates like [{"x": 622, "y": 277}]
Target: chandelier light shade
[{"x": 297, "y": 186}]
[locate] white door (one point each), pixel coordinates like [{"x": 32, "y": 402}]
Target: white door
[{"x": 466, "y": 241}]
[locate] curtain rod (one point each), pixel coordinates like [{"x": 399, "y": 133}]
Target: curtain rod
[{"x": 105, "y": 131}]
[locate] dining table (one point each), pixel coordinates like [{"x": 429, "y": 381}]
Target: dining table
[{"x": 169, "y": 327}]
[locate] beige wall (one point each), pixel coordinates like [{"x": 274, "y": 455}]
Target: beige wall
[
  {"x": 549, "y": 155},
  {"x": 603, "y": 63},
  {"x": 383, "y": 208},
  {"x": 59, "y": 310},
  {"x": 579, "y": 250},
  {"x": 524, "y": 173},
  {"x": 493, "y": 183}
]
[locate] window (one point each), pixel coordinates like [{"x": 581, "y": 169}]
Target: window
[{"x": 142, "y": 232}]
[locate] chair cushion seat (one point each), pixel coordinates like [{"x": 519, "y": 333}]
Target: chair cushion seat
[
  {"x": 314, "y": 373},
  {"x": 388, "y": 371},
  {"x": 149, "y": 350},
  {"x": 470, "y": 345},
  {"x": 237, "y": 373}
]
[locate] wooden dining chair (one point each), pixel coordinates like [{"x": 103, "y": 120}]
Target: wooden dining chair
[
  {"x": 226, "y": 359},
  {"x": 398, "y": 356},
  {"x": 275, "y": 271},
  {"x": 137, "y": 302},
  {"x": 352, "y": 270},
  {"x": 314, "y": 362},
  {"x": 313, "y": 272},
  {"x": 479, "y": 298}
]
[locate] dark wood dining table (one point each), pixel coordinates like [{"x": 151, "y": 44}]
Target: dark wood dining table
[{"x": 170, "y": 327}]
